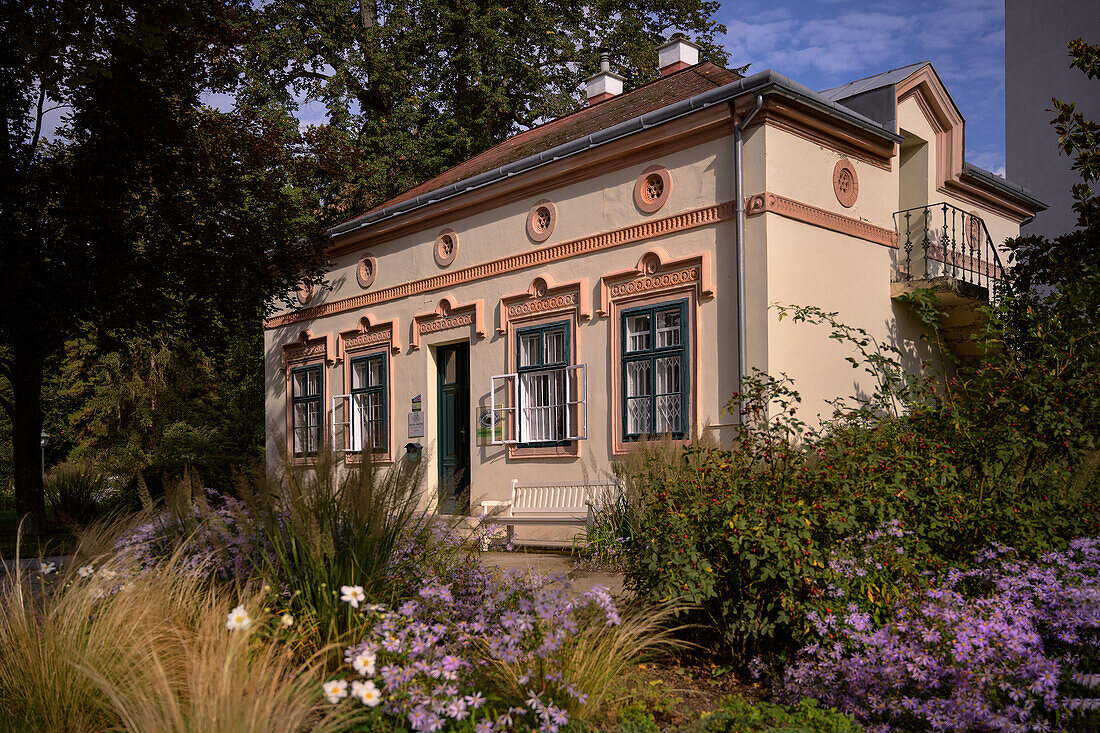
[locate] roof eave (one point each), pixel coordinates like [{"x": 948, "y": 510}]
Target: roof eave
[{"x": 766, "y": 82}]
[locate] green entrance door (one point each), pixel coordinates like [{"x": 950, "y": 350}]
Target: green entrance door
[{"x": 454, "y": 428}]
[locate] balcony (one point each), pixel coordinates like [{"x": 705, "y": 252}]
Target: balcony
[{"x": 949, "y": 250}]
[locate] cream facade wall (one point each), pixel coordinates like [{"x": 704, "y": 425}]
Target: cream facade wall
[
  {"x": 914, "y": 123},
  {"x": 701, "y": 176},
  {"x": 811, "y": 266}
]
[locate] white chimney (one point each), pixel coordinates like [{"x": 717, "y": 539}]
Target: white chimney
[
  {"x": 605, "y": 84},
  {"x": 678, "y": 53}
]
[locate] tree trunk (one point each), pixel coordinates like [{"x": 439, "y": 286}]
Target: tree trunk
[{"x": 28, "y": 366}]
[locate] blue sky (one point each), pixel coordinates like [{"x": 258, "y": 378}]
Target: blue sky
[{"x": 825, "y": 43}]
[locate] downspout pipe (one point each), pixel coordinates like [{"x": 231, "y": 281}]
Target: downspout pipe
[{"x": 739, "y": 204}]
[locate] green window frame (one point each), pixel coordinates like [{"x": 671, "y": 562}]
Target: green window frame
[
  {"x": 542, "y": 355},
  {"x": 307, "y": 384},
  {"x": 656, "y": 370},
  {"x": 369, "y": 418}
]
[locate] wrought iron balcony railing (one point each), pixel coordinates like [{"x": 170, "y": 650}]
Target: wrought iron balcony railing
[{"x": 940, "y": 240}]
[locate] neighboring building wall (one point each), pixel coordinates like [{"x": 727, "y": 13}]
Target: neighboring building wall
[{"x": 1036, "y": 70}]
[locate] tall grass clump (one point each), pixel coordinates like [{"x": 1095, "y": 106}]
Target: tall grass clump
[
  {"x": 78, "y": 494},
  {"x": 112, "y": 646},
  {"x": 309, "y": 537}
]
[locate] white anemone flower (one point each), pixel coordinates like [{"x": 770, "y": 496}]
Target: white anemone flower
[
  {"x": 46, "y": 567},
  {"x": 286, "y": 621},
  {"x": 364, "y": 664},
  {"x": 107, "y": 574},
  {"x": 335, "y": 690},
  {"x": 352, "y": 594},
  {"x": 85, "y": 571},
  {"x": 366, "y": 693},
  {"x": 238, "y": 620}
]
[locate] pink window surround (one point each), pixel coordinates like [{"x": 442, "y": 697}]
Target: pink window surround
[
  {"x": 307, "y": 350},
  {"x": 544, "y": 302},
  {"x": 368, "y": 338},
  {"x": 652, "y": 189},
  {"x": 541, "y": 220},
  {"x": 446, "y": 316},
  {"x": 656, "y": 279}
]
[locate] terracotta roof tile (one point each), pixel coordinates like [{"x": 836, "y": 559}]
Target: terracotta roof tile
[{"x": 585, "y": 121}]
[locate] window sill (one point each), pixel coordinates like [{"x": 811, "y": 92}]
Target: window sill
[
  {"x": 566, "y": 450},
  {"x": 355, "y": 458}
]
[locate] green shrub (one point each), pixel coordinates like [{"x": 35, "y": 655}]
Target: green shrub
[
  {"x": 737, "y": 714},
  {"x": 747, "y": 532}
]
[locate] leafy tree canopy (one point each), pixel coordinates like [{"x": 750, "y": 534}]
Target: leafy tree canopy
[{"x": 412, "y": 87}]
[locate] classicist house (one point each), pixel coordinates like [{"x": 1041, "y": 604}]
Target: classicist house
[{"x": 535, "y": 311}]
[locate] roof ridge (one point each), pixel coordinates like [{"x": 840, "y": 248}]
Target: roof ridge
[{"x": 523, "y": 135}]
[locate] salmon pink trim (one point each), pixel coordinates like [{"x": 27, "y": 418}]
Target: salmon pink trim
[
  {"x": 446, "y": 316},
  {"x": 769, "y": 202},
  {"x": 656, "y": 272},
  {"x": 533, "y": 258},
  {"x": 545, "y": 297}
]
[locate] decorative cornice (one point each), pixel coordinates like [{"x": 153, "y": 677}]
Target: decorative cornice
[
  {"x": 543, "y": 296},
  {"x": 791, "y": 209},
  {"x": 656, "y": 271},
  {"x": 531, "y": 258},
  {"x": 446, "y": 316},
  {"x": 370, "y": 333}
]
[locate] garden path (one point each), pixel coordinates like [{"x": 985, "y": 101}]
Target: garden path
[{"x": 549, "y": 563}]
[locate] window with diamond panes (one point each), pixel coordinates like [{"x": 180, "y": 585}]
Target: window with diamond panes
[
  {"x": 367, "y": 428},
  {"x": 541, "y": 371},
  {"x": 655, "y": 371},
  {"x": 306, "y": 385}
]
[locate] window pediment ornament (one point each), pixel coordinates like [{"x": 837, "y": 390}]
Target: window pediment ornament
[
  {"x": 542, "y": 297},
  {"x": 370, "y": 333},
  {"x": 655, "y": 272},
  {"x": 308, "y": 348},
  {"x": 446, "y": 316}
]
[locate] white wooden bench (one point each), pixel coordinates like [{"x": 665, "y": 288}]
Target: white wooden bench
[{"x": 557, "y": 503}]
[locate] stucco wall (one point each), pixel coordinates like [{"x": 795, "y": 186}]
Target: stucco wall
[{"x": 701, "y": 176}]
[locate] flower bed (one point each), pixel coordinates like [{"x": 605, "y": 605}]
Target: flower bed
[{"x": 1004, "y": 644}]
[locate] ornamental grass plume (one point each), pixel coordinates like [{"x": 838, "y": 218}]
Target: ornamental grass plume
[{"x": 145, "y": 650}]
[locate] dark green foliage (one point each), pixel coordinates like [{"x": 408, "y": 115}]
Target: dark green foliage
[
  {"x": 147, "y": 213},
  {"x": 747, "y": 532},
  {"x": 738, "y": 714},
  {"x": 412, "y": 88}
]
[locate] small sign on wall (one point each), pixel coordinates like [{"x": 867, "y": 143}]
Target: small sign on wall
[
  {"x": 485, "y": 427},
  {"x": 416, "y": 424},
  {"x": 416, "y": 404}
]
